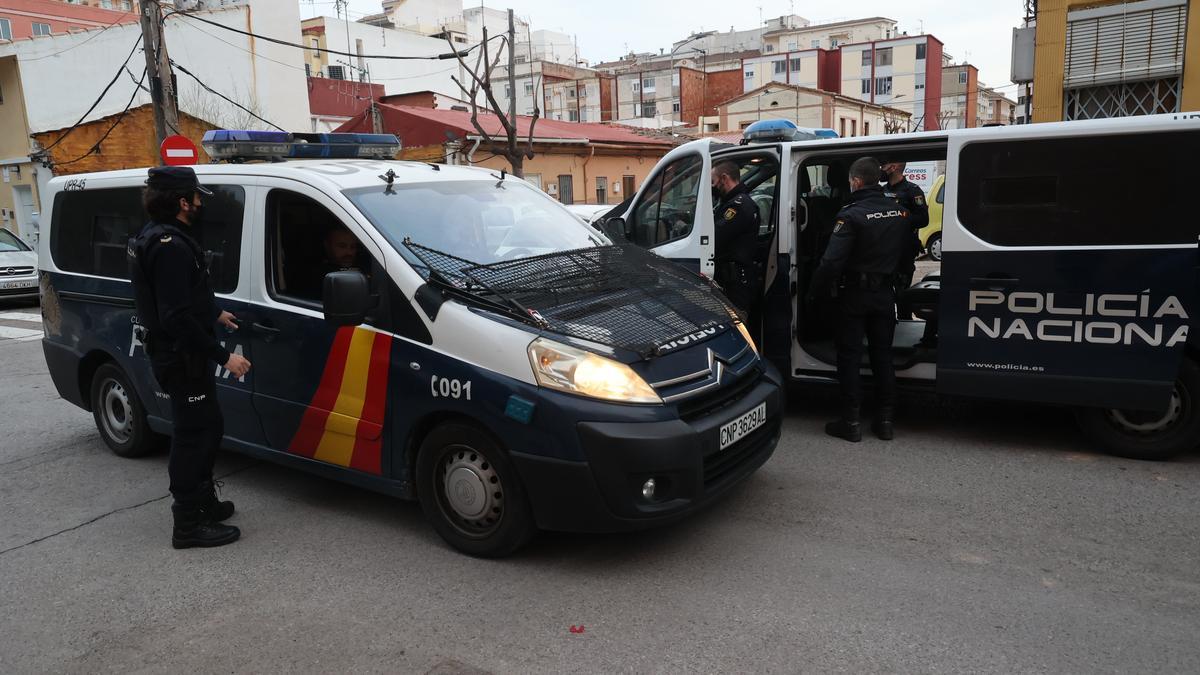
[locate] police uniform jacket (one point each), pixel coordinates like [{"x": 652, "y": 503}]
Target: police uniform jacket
[
  {"x": 736, "y": 219},
  {"x": 173, "y": 293},
  {"x": 912, "y": 198},
  {"x": 869, "y": 237}
]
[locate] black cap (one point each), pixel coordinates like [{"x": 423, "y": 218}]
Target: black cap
[{"x": 180, "y": 178}]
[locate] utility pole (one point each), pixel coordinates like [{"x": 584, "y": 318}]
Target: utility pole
[
  {"x": 512, "y": 76},
  {"x": 158, "y": 67}
]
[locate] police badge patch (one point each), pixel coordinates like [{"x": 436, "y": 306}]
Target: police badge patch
[
  {"x": 920, "y": 201},
  {"x": 838, "y": 226},
  {"x": 730, "y": 213}
]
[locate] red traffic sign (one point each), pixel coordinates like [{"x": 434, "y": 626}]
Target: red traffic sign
[{"x": 178, "y": 151}]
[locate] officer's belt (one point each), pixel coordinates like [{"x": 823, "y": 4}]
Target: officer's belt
[{"x": 867, "y": 281}]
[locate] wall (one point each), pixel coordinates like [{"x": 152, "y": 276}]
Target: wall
[
  {"x": 127, "y": 147},
  {"x": 844, "y": 32},
  {"x": 61, "y": 16},
  {"x": 808, "y": 75},
  {"x": 721, "y": 87},
  {"x": 339, "y": 98},
  {"x": 692, "y": 89},
  {"x": 15, "y": 167}
]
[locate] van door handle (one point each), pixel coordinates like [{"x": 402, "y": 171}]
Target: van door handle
[{"x": 269, "y": 332}]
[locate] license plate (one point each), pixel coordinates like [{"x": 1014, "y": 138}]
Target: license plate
[
  {"x": 25, "y": 283},
  {"x": 736, "y": 430}
]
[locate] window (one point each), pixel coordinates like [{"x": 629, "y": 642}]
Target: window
[
  {"x": 649, "y": 110},
  {"x": 920, "y": 86},
  {"x": 5, "y": 29},
  {"x": 796, "y": 63},
  {"x": 770, "y": 48},
  {"x": 793, "y": 46},
  {"x": 601, "y": 189},
  {"x": 521, "y": 59},
  {"x": 1042, "y": 192},
  {"x": 883, "y": 86},
  {"x": 962, "y": 77},
  {"x": 636, "y": 85},
  {"x": 834, "y": 42},
  {"x": 572, "y": 115},
  {"x": 883, "y": 57},
  {"x": 853, "y": 127},
  {"x": 308, "y": 70},
  {"x": 507, "y": 91},
  {"x": 106, "y": 4},
  {"x": 529, "y": 88},
  {"x": 571, "y": 92},
  {"x": 582, "y": 90},
  {"x": 920, "y": 51},
  {"x": 41, "y": 28},
  {"x": 667, "y": 210},
  {"x": 866, "y": 57},
  {"x": 842, "y": 130},
  {"x": 780, "y": 67},
  {"x": 1124, "y": 99},
  {"x": 866, "y": 128},
  {"x": 744, "y": 125},
  {"x": 749, "y": 74},
  {"x": 336, "y": 73},
  {"x": 9, "y": 242},
  {"x": 866, "y": 86},
  {"x": 816, "y": 44},
  {"x": 91, "y": 229},
  {"x": 675, "y": 107},
  {"x": 648, "y": 85}
]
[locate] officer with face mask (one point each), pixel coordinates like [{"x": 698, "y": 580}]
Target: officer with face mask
[
  {"x": 736, "y": 218},
  {"x": 176, "y": 306},
  {"x": 859, "y": 268}
]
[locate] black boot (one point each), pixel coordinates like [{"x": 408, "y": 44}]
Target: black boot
[
  {"x": 194, "y": 528},
  {"x": 214, "y": 508},
  {"x": 846, "y": 428},
  {"x": 884, "y": 426}
]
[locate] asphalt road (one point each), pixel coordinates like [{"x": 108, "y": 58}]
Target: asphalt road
[{"x": 986, "y": 538}]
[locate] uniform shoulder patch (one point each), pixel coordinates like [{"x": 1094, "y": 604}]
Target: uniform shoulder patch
[
  {"x": 837, "y": 227},
  {"x": 730, "y": 213},
  {"x": 920, "y": 201}
]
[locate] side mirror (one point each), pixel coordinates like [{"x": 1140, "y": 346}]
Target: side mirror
[
  {"x": 614, "y": 228},
  {"x": 347, "y": 297}
]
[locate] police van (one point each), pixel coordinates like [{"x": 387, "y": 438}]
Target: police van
[
  {"x": 1068, "y": 274},
  {"x": 484, "y": 351}
]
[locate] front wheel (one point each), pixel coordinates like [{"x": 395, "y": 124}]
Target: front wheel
[
  {"x": 1150, "y": 435},
  {"x": 470, "y": 492},
  {"x": 119, "y": 414},
  {"x": 934, "y": 246}
]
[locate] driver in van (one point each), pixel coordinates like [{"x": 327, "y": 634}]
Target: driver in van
[
  {"x": 736, "y": 218},
  {"x": 340, "y": 251},
  {"x": 859, "y": 268}
]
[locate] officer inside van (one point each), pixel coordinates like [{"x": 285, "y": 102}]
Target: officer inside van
[
  {"x": 858, "y": 268},
  {"x": 340, "y": 251},
  {"x": 912, "y": 198}
]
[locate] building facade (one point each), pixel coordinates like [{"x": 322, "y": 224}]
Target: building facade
[
  {"x": 902, "y": 72},
  {"x": 1096, "y": 58},
  {"x": 807, "y": 107},
  {"x": 960, "y": 97},
  {"x": 813, "y": 68},
  {"x": 35, "y": 18},
  {"x": 560, "y": 92},
  {"x": 828, "y": 35}
]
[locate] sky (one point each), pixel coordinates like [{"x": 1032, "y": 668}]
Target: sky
[{"x": 978, "y": 32}]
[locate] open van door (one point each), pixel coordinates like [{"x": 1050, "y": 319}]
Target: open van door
[
  {"x": 1069, "y": 267},
  {"x": 672, "y": 212}
]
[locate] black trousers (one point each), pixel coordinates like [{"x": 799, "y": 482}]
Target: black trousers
[
  {"x": 198, "y": 427},
  {"x": 868, "y": 314}
]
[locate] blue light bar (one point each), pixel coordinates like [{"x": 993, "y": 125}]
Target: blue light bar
[
  {"x": 777, "y": 131},
  {"x": 236, "y": 146}
]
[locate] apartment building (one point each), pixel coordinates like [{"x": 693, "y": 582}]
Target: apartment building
[
  {"x": 34, "y": 18},
  {"x": 828, "y": 35},
  {"x": 561, "y": 92},
  {"x": 997, "y": 108},
  {"x": 807, "y": 107},
  {"x": 673, "y": 96},
  {"x": 903, "y": 72},
  {"x": 1095, "y": 59},
  {"x": 813, "y": 68},
  {"x": 960, "y": 97}
]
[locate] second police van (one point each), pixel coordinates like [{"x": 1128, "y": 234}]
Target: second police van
[
  {"x": 1068, "y": 275},
  {"x": 484, "y": 352}
]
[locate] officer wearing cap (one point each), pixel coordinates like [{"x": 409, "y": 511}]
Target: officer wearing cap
[
  {"x": 175, "y": 305},
  {"x": 912, "y": 198},
  {"x": 736, "y": 218},
  {"x": 859, "y": 268}
]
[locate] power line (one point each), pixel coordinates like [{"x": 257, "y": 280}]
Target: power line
[
  {"x": 116, "y": 77},
  {"x": 223, "y": 96},
  {"x": 96, "y": 145},
  {"x": 393, "y": 57}
]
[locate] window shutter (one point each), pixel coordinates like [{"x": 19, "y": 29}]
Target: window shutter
[{"x": 1130, "y": 41}]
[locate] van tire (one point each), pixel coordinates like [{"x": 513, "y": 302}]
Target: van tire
[
  {"x": 119, "y": 414},
  {"x": 1123, "y": 435},
  {"x": 488, "y": 515},
  {"x": 934, "y": 246}
]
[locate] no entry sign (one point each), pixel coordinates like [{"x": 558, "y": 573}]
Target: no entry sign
[{"x": 178, "y": 151}]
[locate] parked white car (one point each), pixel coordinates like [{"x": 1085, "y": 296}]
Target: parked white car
[
  {"x": 18, "y": 269},
  {"x": 589, "y": 212}
]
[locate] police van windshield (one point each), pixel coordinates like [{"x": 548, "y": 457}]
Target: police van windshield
[
  {"x": 10, "y": 243},
  {"x": 481, "y": 221}
]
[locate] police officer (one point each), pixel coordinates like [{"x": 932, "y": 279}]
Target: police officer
[
  {"x": 912, "y": 198},
  {"x": 859, "y": 267},
  {"x": 736, "y": 218},
  {"x": 175, "y": 305}
]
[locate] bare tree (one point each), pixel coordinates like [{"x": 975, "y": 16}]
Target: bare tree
[
  {"x": 894, "y": 122},
  {"x": 507, "y": 144},
  {"x": 946, "y": 116},
  {"x": 198, "y": 103}
]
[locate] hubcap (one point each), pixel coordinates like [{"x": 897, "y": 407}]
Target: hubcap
[
  {"x": 1142, "y": 422},
  {"x": 935, "y": 249},
  {"x": 115, "y": 411},
  {"x": 471, "y": 492}
]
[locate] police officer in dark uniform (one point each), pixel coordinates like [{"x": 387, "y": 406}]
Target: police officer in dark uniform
[
  {"x": 912, "y": 198},
  {"x": 736, "y": 218},
  {"x": 176, "y": 307},
  {"x": 859, "y": 268}
]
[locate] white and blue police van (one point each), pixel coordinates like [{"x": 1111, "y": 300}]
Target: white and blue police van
[
  {"x": 1069, "y": 271},
  {"x": 484, "y": 351}
]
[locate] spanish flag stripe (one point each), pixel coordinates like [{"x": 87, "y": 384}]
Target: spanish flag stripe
[
  {"x": 369, "y": 437},
  {"x": 312, "y": 425},
  {"x": 337, "y": 443}
]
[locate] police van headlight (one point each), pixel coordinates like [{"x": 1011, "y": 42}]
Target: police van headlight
[
  {"x": 746, "y": 334},
  {"x": 577, "y": 371}
]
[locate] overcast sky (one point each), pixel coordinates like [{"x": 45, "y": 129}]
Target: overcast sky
[{"x": 980, "y": 32}]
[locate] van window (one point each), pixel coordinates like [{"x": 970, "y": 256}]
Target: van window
[
  {"x": 668, "y": 208},
  {"x": 1083, "y": 191},
  {"x": 90, "y": 229}
]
